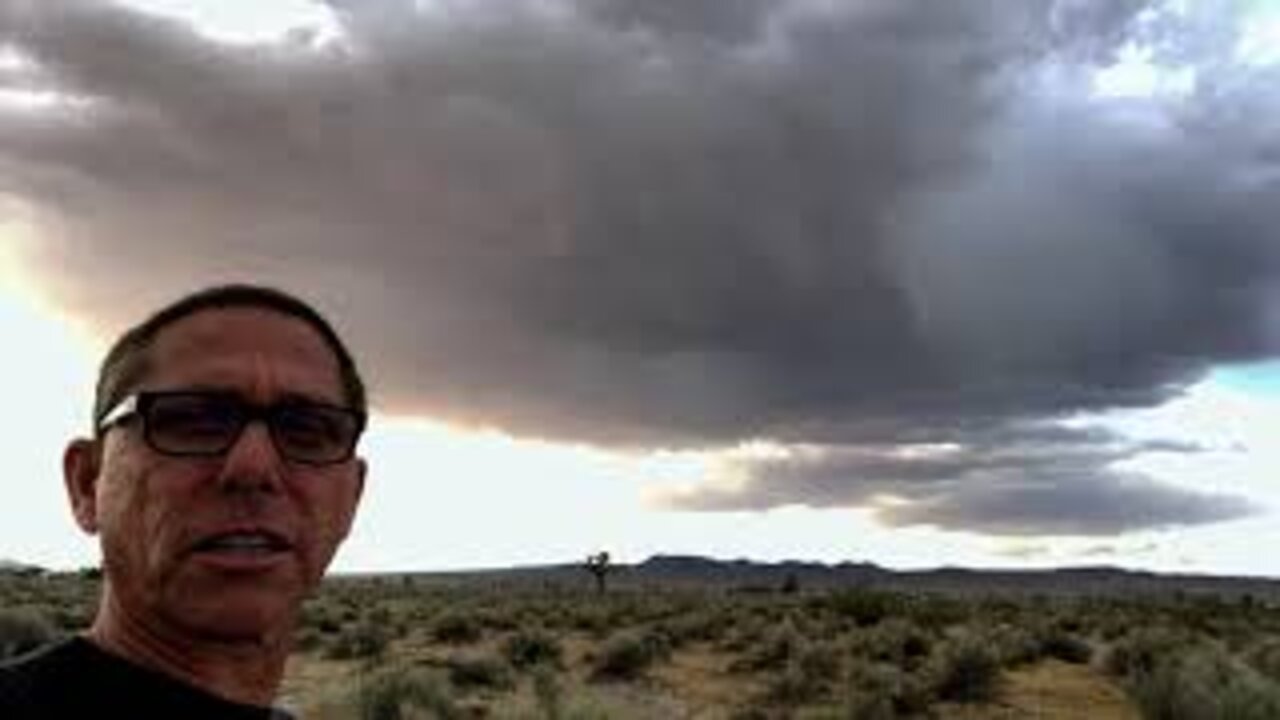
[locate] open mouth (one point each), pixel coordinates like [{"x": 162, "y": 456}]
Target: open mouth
[{"x": 243, "y": 542}]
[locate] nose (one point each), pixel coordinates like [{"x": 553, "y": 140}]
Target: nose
[{"x": 252, "y": 463}]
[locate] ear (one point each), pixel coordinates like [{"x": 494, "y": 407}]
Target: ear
[
  {"x": 357, "y": 491},
  {"x": 362, "y": 469},
  {"x": 81, "y": 466}
]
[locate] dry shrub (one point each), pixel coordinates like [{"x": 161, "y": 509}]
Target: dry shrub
[
  {"x": 527, "y": 648},
  {"x": 627, "y": 656},
  {"x": 1066, "y": 646},
  {"x": 871, "y": 686},
  {"x": 965, "y": 670},
  {"x": 480, "y": 671},
  {"x": 866, "y": 607},
  {"x": 1014, "y": 645},
  {"x": 402, "y": 693},
  {"x": 1264, "y": 656},
  {"x": 23, "y": 630},
  {"x": 1139, "y": 652},
  {"x": 778, "y": 647},
  {"x": 896, "y": 641},
  {"x": 457, "y": 628},
  {"x": 363, "y": 640},
  {"x": 1203, "y": 684}
]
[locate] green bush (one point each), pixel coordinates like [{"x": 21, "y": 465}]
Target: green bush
[{"x": 23, "y": 630}]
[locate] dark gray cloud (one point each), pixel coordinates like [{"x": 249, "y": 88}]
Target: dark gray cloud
[
  {"x": 690, "y": 223},
  {"x": 1020, "y": 480}
]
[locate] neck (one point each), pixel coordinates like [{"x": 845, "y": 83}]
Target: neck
[{"x": 246, "y": 671}]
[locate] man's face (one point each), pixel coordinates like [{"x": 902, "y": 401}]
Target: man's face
[{"x": 157, "y": 513}]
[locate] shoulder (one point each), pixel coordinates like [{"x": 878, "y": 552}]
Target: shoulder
[{"x": 76, "y": 678}]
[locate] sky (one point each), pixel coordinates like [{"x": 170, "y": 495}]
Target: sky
[{"x": 895, "y": 281}]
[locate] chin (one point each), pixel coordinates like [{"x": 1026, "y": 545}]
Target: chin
[
  {"x": 240, "y": 612},
  {"x": 250, "y": 620}
]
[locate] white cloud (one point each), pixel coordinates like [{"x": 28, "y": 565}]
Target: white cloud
[{"x": 244, "y": 21}]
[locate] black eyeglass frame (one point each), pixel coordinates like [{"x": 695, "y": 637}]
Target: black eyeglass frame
[{"x": 139, "y": 405}]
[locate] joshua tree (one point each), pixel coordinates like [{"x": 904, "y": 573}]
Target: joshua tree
[{"x": 598, "y": 565}]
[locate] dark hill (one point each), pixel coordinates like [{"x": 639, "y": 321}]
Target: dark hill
[{"x": 692, "y": 571}]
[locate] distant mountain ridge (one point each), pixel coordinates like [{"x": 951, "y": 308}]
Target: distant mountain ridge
[
  {"x": 18, "y": 568},
  {"x": 696, "y": 571},
  {"x": 749, "y": 575},
  {"x": 1074, "y": 580}
]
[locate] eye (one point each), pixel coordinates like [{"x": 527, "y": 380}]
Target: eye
[
  {"x": 194, "y": 417},
  {"x": 312, "y": 427}
]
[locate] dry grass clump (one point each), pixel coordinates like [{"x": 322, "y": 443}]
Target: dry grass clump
[
  {"x": 533, "y": 647},
  {"x": 1173, "y": 673},
  {"x": 457, "y": 628},
  {"x": 965, "y": 669},
  {"x": 876, "y": 690},
  {"x": 1264, "y": 656},
  {"x": 399, "y": 693},
  {"x": 23, "y": 630},
  {"x": 480, "y": 671},
  {"x": 362, "y": 640},
  {"x": 811, "y": 674},
  {"x": 628, "y": 655},
  {"x": 773, "y": 649},
  {"x": 1205, "y": 683},
  {"x": 897, "y": 641}
]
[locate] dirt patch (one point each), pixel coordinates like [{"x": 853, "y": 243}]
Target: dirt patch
[{"x": 1051, "y": 690}]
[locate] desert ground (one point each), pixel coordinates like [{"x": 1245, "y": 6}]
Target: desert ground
[{"x": 409, "y": 646}]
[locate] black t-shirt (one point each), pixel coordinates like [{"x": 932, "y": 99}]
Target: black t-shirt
[{"x": 76, "y": 679}]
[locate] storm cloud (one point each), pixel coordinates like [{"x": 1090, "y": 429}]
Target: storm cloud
[
  {"x": 858, "y": 226},
  {"x": 1013, "y": 481}
]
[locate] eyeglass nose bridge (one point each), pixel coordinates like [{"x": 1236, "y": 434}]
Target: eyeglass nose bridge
[{"x": 264, "y": 417}]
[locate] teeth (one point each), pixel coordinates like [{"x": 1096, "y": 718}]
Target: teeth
[{"x": 241, "y": 542}]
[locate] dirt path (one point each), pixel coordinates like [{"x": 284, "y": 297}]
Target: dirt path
[{"x": 1051, "y": 690}]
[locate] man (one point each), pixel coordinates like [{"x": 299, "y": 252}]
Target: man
[{"x": 221, "y": 478}]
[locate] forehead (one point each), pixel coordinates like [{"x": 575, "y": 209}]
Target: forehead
[{"x": 255, "y": 351}]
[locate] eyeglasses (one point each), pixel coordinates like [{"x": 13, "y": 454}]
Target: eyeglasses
[{"x": 208, "y": 424}]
